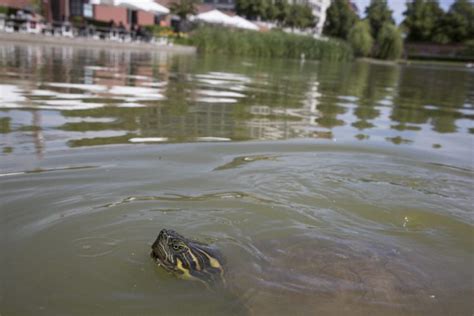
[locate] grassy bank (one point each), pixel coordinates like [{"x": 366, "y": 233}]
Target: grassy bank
[{"x": 266, "y": 44}]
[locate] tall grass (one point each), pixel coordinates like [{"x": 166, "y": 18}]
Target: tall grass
[{"x": 274, "y": 44}]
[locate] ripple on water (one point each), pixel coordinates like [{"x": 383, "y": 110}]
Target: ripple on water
[
  {"x": 189, "y": 198},
  {"x": 92, "y": 247},
  {"x": 239, "y": 161}
]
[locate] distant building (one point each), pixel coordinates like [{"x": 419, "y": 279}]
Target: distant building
[
  {"x": 100, "y": 10},
  {"x": 54, "y": 10},
  {"x": 223, "y": 5},
  {"x": 17, "y": 4}
]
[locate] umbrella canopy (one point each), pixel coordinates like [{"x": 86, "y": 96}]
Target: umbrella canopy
[
  {"x": 144, "y": 5},
  {"x": 242, "y": 23},
  {"x": 215, "y": 16}
]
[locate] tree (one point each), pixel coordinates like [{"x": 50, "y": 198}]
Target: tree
[
  {"x": 299, "y": 16},
  {"x": 340, "y": 18},
  {"x": 271, "y": 13},
  {"x": 253, "y": 9},
  {"x": 360, "y": 39},
  {"x": 279, "y": 11},
  {"x": 378, "y": 14},
  {"x": 183, "y": 8},
  {"x": 389, "y": 42},
  {"x": 423, "y": 19},
  {"x": 459, "y": 22}
]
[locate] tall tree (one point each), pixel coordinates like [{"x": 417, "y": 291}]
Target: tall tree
[
  {"x": 253, "y": 9},
  {"x": 299, "y": 16},
  {"x": 459, "y": 22},
  {"x": 282, "y": 10},
  {"x": 389, "y": 42},
  {"x": 360, "y": 39},
  {"x": 378, "y": 14},
  {"x": 183, "y": 8},
  {"x": 422, "y": 20},
  {"x": 340, "y": 18},
  {"x": 278, "y": 11}
]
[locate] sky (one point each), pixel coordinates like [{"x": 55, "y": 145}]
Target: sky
[{"x": 398, "y": 7}]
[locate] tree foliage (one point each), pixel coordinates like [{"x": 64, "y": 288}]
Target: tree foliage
[
  {"x": 425, "y": 21},
  {"x": 299, "y": 16},
  {"x": 253, "y": 9},
  {"x": 183, "y": 8},
  {"x": 360, "y": 39},
  {"x": 422, "y": 20},
  {"x": 340, "y": 18},
  {"x": 389, "y": 42},
  {"x": 459, "y": 21},
  {"x": 280, "y": 11},
  {"x": 378, "y": 14}
]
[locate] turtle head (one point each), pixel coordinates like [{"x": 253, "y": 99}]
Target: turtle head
[
  {"x": 186, "y": 258},
  {"x": 168, "y": 247}
]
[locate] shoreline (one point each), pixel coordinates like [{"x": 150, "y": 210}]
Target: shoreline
[
  {"x": 453, "y": 63},
  {"x": 21, "y": 39}
]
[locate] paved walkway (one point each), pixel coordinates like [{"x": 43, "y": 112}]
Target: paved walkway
[{"x": 20, "y": 38}]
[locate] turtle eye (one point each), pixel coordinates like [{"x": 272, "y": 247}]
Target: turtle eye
[{"x": 176, "y": 247}]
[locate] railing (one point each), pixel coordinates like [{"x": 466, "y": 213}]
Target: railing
[{"x": 66, "y": 29}]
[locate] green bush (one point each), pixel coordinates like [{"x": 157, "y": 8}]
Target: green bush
[
  {"x": 389, "y": 42},
  {"x": 360, "y": 39},
  {"x": 267, "y": 44},
  {"x": 469, "y": 48},
  {"x": 158, "y": 30}
]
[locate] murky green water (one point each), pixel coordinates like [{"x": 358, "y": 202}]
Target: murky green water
[{"x": 329, "y": 188}]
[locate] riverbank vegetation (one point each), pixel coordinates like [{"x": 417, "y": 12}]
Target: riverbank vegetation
[
  {"x": 276, "y": 44},
  {"x": 375, "y": 36},
  {"x": 425, "y": 23},
  {"x": 281, "y": 12}
]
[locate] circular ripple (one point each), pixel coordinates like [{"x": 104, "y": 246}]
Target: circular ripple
[{"x": 94, "y": 246}]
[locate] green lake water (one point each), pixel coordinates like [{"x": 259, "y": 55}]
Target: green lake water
[{"x": 329, "y": 188}]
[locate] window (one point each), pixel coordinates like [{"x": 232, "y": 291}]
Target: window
[{"x": 75, "y": 7}]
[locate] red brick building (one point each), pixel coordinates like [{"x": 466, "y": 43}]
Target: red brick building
[
  {"x": 18, "y": 4},
  {"x": 59, "y": 10},
  {"x": 122, "y": 15}
]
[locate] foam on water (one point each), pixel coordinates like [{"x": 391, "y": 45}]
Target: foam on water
[
  {"x": 148, "y": 139},
  {"x": 217, "y": 93}
]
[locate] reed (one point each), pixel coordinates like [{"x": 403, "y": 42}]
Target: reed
[{"x": 274, "y": 44}]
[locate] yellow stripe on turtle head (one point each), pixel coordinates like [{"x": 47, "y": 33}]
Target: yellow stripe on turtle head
[
  {"x": 195, "y": 259},
  {"x": 179, "y": 265},
  {"x": 214, "y": 263}
]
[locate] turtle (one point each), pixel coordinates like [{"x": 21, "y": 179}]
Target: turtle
[
  {"x": 303, "y": 273},
  {"x": 188, "y": 259}
]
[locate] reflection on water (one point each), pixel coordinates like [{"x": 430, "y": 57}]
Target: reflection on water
[
  {"x": 370, "y": 214},
  {"x": 56, "y": 97}
]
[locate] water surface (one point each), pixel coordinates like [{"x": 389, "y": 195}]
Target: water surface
[{"x": 329, "y": 188}]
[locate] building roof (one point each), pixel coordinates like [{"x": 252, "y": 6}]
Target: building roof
[
  {"x": 145, "y": 5},
  {"x": 201, "y": 7}
]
